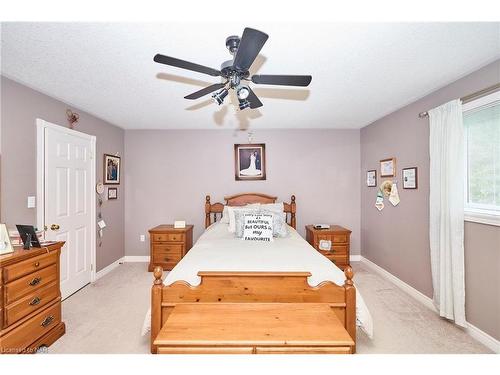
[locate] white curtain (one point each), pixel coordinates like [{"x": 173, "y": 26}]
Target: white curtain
[{"x": 446, "y": 230}]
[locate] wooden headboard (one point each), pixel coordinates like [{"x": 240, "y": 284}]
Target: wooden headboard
[{"x": 212, "y": 210}]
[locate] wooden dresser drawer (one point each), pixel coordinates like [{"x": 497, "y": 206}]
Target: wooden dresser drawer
[
  {"x": 205, "y": 350},
  {"x": 32, "y": 302},
  {"x": 336, "y": 259},
  {"x": 168, "y": 237},
  {"x": 303, "y": 350},
  {"x": 29, "y": 283},
  {"x": 166, "y": 258},
  {"x": 24, "y": 335},
  {"x": 27, "y": 266},
  {"x": 168, "y": 248},
  {"x": 335, "y": 238}
]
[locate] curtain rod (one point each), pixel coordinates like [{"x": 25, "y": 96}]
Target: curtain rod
[{"x": 471, "y": 97}]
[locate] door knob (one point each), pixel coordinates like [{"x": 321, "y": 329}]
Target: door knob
[{"x": 54, "y": 227}]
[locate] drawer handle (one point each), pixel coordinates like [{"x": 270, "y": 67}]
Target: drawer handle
[
  {"x": 166, "y": 259},
  {"x": 47, "y": 321},
  {"x": 35, "y": 301},
  {"x": 35, "y": 281},
  {"x": 37, "y": 264}
]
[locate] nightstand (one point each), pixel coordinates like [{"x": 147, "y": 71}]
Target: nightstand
[
  {"x": 168, "y": 245},
  {"x": 340, "y": 238}
]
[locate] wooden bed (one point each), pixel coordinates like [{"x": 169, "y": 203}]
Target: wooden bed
[{"x": 251, "y": 287}]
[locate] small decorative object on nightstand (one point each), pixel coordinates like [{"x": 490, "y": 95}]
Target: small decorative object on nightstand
[
  {"x": 337, "y": 239},
  {"x": 168, "y": 245}
]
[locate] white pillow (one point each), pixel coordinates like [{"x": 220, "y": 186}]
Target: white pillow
[
  {"x": 232, "y": 220},
  {"x": 225, "y": 212},
  {"x": 273, "y": 207}
]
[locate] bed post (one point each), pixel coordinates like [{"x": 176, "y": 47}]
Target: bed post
[
  {"x": 293, "y": 223},
  {"x": 350, "y": 299},
  {"x": 207, "y": 211},
  {"x": 156, "y": 295}
]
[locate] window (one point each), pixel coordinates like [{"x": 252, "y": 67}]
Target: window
[{"x": 482, "y": 143}]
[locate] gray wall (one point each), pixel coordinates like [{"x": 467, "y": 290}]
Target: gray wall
[
  {"x": 169, "y": 172},
  {"x": 20, "y": 107},
  {"x": 397, "y": 238}
]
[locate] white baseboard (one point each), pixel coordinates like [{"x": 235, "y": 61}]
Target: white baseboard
[
  {"x": 399, "y": 283},
  {"x": 483, "y": 338},
  {"x": 108, "y": 269},
  {"x": 355, "y": 258},
  {"x": 472, "y": 330},
  {"x": 136, "y": 258}
]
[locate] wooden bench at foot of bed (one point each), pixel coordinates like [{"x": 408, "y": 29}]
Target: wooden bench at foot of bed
[{"x": 256, "y": 288}]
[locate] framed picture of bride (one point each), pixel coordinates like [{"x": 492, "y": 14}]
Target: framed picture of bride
[{"x": 249, "y": 162}]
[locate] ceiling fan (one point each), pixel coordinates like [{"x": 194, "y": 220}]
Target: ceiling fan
[{"x": 244, "y": 51}]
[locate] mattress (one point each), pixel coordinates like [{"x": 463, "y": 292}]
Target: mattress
[{"x": 219, "y": 250}]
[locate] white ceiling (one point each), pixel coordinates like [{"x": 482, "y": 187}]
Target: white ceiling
[{"x": 361, "y": 71}]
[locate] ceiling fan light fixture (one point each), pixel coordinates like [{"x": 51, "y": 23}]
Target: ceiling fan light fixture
[
  {"x": 244, "y": 104},
  {"x": 243, "y": 92},
  {"x": 219, "y": 96}
]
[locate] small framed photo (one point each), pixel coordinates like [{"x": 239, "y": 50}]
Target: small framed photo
[
  {"x": 249, "y": 162},
  {"x": 410, "y": 178},
  {"x": 111, "y": 169},
  {"x": 371, "y": 178},
  {"x": 5, "y": 244},
  {"x": 112, "y": 193},
  {"x": 388, "y": 167}
]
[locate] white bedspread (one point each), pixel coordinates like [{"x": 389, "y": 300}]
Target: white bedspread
[{"x": 219, "y": 250}]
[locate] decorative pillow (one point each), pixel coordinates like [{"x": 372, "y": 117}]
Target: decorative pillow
[
  {"x": 231, "y": 210},
  {"x": 280, "y": 227},
  {"x": 258, "y": 227},
  {"x": 225, "y": 212},
  {"x": 273, "y": 207}
]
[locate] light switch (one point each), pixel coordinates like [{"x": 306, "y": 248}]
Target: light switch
[
  {"x": 142, "y": 237},
  {"x": 31, "y": 202}
]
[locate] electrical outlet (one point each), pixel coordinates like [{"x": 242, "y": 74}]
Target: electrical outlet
[{"x": 142, "y": 238}]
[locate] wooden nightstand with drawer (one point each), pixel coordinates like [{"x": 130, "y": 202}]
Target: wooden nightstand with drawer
[
  {"x": 168, "y": 245},
  {"x": 340, "y": 239}
]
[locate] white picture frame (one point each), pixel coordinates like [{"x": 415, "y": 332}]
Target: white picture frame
[{"x": 5, "y": 243}]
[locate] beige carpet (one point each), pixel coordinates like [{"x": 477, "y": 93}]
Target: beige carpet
[{"x": 107, "y": 316}]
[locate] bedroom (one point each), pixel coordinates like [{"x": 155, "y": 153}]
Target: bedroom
[{"x": 100, "y": 150}]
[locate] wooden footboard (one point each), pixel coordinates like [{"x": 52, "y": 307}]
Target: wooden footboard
[{"x": 261, "y": 287}]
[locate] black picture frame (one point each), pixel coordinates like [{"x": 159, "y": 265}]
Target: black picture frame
[{"x": 406, "y": 181}]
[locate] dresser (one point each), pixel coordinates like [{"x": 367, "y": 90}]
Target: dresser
[
  {"x": 340, "y": 239},
  {"x": 168, "y": 245},
  {"x": 30, "y": 304}
]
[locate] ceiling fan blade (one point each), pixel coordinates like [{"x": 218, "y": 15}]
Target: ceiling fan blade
[
  {"x": 167, "y": 60},
  {"x": 251, "y": 43},
  {"x": 284, "y": 80},
  {"x": 254, "y": 101},
  {"x": 205, "y": 91}
]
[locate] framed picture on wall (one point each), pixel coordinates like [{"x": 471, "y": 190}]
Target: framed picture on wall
[
  {"x": 111, "y": 169},
  {"x": 112, "y": 193},
  {"x": 410, "y": 178},
  {"x": 249, "y": 162},
  {"x": 371, "y": 178},
  {"x": 388, "y": 167}
]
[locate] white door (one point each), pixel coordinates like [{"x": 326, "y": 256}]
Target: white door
[{"x": 69, "y": 170}]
